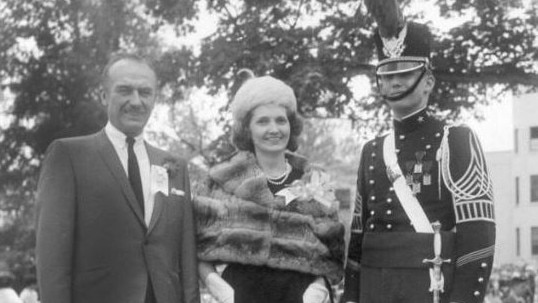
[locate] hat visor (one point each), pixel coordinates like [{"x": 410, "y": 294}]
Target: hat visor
[{"x": 400, "y": 65}]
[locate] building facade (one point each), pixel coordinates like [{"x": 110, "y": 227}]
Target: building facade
[{"x": 515, "y": 185}]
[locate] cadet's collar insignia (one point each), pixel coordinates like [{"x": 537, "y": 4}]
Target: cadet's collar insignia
[{"x": 412, "y": 122}]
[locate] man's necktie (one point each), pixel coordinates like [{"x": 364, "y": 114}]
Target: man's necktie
[{"x": 134, "y": 172}]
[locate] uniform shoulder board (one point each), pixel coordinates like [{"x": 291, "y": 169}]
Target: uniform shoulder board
[{"x": 467, "y": 180}]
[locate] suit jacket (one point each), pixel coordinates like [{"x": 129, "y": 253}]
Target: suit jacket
[{"x": 92, "y": 242}]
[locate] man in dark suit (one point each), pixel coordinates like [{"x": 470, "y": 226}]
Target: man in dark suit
[{"x": 115, "y": 220}]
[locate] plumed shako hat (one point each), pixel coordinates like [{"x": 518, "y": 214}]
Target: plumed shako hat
[{"x": 407, "y": 52}]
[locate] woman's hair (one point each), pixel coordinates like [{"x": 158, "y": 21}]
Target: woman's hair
[{"x": 242, "y": 139}]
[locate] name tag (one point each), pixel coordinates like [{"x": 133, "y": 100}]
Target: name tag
[{"x": 159, "y": 180}]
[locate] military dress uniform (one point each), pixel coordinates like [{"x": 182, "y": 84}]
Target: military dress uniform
[{"x": 445, "y": 169}]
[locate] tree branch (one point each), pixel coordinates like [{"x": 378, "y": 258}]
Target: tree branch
[{"x": 514, "y": 78}]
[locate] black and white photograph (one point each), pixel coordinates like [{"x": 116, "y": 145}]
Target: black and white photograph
[{"x": 268, "y": 151}]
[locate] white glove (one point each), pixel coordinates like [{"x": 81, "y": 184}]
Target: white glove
[
  {"x": 220, "y": 289},
  {"x": 316, "y": 292}
]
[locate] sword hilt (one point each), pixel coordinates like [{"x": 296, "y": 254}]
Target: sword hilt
[{"x": 436, "y": 262}]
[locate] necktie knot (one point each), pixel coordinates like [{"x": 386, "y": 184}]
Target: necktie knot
[{"x": 130, "y": 141}]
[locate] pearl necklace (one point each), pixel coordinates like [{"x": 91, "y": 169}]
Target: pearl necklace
[{"x": 282, "y": 178}]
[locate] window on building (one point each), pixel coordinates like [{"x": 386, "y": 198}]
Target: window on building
[
  {"x": 534, "y": 188},
  {"x": 518, "y": 243},
  {"x": 517, "y": 190},
  {"x": 516, "y": 145},
  {"x": 534, "y": 241},
  {"x": 534, "y": 138}
]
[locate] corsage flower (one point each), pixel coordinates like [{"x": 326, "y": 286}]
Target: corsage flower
[
  {"x": 316, "y": 186},
  {"x": 172, "y": 166}
]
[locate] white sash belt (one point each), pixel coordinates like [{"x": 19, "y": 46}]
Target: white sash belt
[{"x": 407, "y": 199}]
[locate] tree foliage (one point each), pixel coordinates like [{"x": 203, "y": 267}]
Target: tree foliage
[
  {"x": 51, "y": 52},
  {"x": 496, "y": 47}
]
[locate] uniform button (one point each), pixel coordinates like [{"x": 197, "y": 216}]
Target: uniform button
[
  {"x": 374, "y": 143},
  {"x": 483, "y": 265},
  {"x": 402, "y": 137},
  {"x": 389, "y": 200},
  {"x": 391, "y": 188},
  {"x": 371, "y": 167},
  {"x": 437, "y": 135},
  {"x": 372, "y": 198},
  {"x": 371, "y": 182},
  {"x": 372, "y": 227},
  {"x": 428, "y": 146},
  {"x": 389, "y": 212},
  {"x": 480, "y": 280},
  {"x": 397, "y": 150},
  {"x": 373, "y": 155},
  {"x": 372, "y": 212},
  {"x": 476, "y": 293},
  {"x": 389, "y": 226}
]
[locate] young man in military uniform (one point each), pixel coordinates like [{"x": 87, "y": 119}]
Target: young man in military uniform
[{"x": 423, "y": 171}]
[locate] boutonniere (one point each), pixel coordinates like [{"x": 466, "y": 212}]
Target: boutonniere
[{"x": 172, "y": 166}]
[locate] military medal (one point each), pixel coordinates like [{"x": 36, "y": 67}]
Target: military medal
[
  {"x": 427, "y": 178},
  {"x": 418, "y": 166},
  {"x": 416, "y": 188},
  {"x": 409, "y": 168}
]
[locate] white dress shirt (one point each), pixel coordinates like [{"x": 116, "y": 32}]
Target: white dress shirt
[
  {"x": 119, "y": 142},
  {"x": 8, "y": 295}
]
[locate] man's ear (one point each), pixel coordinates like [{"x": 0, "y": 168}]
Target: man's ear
[
  {"x": 103, "y": 97},
  {"x": 429, "y": 83}
]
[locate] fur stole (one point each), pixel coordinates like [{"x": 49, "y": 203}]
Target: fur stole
[{"x": 239, "y": 220}]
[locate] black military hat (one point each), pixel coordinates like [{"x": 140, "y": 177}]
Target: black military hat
[{"x": 409, "y": 51}]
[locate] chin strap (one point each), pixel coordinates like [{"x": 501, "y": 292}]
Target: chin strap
[{"x": 407, "y": 92}]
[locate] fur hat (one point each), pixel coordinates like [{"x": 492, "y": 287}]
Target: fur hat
[{"x": 260, "y": 91}]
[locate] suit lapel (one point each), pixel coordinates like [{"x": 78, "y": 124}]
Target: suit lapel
[
  {"x": 110, "y": 157},
  {"x": 158, "y": 198}
]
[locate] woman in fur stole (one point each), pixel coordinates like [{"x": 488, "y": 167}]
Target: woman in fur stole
[{"x": 276, "y": 246}]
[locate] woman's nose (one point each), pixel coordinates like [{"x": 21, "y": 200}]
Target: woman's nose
[{"x": 272, "y": 127}]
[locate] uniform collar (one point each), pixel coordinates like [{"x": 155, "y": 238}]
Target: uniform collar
[{"x": 412, "y": 122}]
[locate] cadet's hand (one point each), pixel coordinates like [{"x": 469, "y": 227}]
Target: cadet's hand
[
  {"x": 220, "y": 289},
  {"x": 316, "y": 292}
]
